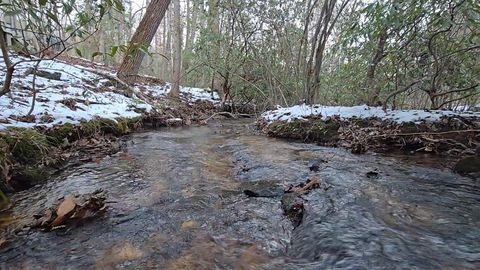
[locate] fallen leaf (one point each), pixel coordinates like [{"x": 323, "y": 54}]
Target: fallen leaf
[
  {"x": 65, "y": 208},
  {"x": 311, "y": 183}
]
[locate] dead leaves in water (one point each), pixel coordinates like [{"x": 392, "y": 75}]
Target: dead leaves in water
[
  {"x": 70, "y": 209},
  {"x": 303, "y": 188}
]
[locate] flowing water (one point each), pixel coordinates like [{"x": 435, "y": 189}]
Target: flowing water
[{"x": 176, "y": 202}]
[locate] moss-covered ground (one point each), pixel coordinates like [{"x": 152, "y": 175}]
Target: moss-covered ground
[{"x": 26, "y": 154}]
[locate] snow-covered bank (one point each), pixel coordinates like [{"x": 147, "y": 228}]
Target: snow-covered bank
[
  {"x": 361, "y": 128},
  {"x": 71, "y": 93},
  {"x": 363, "y": 111}
]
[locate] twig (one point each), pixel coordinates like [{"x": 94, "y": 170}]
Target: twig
[
  {"x": 34, "y": 88},
  {"x": 428, "y": 133},
  {"x": 227, "y": 114}
]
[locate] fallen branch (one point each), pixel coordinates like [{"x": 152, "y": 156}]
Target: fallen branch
[
  {"x": 226, "y": 114},
  {"x": 428, "y": 133}
]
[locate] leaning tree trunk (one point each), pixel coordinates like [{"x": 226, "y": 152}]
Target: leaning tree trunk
[{"x": 143, "y": 36}]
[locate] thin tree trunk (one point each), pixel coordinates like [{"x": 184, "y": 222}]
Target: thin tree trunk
[
  {"x": 168, "y": 52},
  {"x": 143, "y": 35},
  {"x": 8, "y": 63},
  {"x": 213, "y": 27},
  {"x": 325, "y": 26},
  {"x": 177, "y": 49},
  {"x": 372, "y": 87}
]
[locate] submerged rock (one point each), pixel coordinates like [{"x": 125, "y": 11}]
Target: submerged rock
[
  {"x": 268, "y": 189},
  {"x": 293, "y": 208},
  {"x": 468, "y": 166}
]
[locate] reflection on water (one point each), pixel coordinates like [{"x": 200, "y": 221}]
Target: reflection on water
[{"x": 176, "y": 202}]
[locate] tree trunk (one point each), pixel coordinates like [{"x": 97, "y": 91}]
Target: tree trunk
[
  {"x": 214, "y": 28},
  {"x": 143, "y": 35},
  {"x": 324, "y": 28},
  {"x": 372, "y": 87},
  {"x": 8, "y": 63},
  {"x": 177, "y": 50}
]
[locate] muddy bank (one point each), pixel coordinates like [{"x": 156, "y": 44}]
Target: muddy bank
[{"x": 452, "y": 136}]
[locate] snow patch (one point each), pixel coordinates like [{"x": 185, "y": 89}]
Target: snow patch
[
  {"x": 79, "y": 95},
  {"x": 363, "y": 111}
]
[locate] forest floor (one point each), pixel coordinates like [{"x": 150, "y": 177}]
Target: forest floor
[
  {"x": 79, "y": 113},
  {"x": 455, "y": 135}
]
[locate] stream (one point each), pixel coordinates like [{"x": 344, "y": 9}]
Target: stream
[{"x": 176, "y": 201}]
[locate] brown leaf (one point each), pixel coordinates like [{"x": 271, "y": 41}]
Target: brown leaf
[{"x": 64, "y": 209}]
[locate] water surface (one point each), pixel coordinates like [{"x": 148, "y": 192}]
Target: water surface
[{"x": 176, "y": 202}]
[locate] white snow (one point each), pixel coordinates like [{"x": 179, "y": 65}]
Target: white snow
[
  {"x": 190, "y": 93},
  {"x": 93, "y": 95},
  {"x": 363, "y": 111}
]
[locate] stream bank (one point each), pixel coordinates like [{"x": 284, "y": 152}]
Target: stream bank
[
  {"x": 176, "y": 201},
  {"x": 453, "y": 135}
]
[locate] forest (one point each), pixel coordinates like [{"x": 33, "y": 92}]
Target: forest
[
  {"x": 400, "y": 54},
  {"x": 229, "y": 134}
]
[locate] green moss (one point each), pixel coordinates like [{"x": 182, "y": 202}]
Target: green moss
[
  {"x": 314, "y": 130},
  {"x": 324, "y": 131},
  {"x": 57, "y": 134},
  {"x": 126, "y": 125},
  {"x": 27, "y": 146},
  {"x": 118, "y": 127},
  {"x": 293, "y": 130}
]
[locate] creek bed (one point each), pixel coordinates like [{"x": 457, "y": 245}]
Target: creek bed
[{"x": 176, "y": 201}]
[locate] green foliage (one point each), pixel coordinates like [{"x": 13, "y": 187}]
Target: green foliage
[
  {"x": 259, "y": 53},
  {"x": 430, "y": 44},
  {"x": 47, "y": 18}
]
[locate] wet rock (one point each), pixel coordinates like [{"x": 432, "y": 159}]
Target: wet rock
[
  {"x": 314, "y": 167},
  {"x": 267, "y": 189},
  {"x": 26, "y": 177},
  {"x": 372, "y": 174},
  {"x": 293, "y": 208},
  {"x": 468, "y": 166}
]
